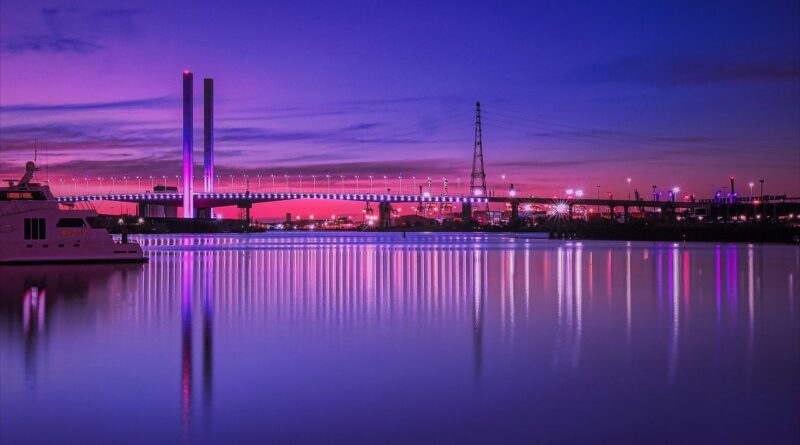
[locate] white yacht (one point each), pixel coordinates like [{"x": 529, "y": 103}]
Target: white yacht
[{"x": 35, "y": 228}]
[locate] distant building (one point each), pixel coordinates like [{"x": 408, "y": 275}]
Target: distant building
[{"x": 413, "y": 221}]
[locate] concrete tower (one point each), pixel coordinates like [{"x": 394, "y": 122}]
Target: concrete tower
[
  {"x": 208, "y": 135},
  {"x": 188, "y": 147}
]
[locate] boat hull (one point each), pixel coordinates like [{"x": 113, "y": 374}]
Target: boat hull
[{"x": 49, "y": 253}]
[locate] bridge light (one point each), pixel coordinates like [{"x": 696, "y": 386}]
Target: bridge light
[
  {"x": 570, "y": 192},
  {"x": 579, "y": 193}
]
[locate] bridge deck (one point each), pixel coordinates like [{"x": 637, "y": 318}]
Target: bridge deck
[{"x": 221, "y": 199}]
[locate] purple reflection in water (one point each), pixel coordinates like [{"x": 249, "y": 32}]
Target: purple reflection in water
[{"x": 375, "y": 338}]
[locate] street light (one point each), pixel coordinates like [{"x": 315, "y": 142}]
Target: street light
[
  {"x": 751, "y": 184},
  {"x": 598, "y": 199},
  {"x": 357, "y": 184},
  {"x": 328, "y": 176},
  {"x": 341, "y": 182},
  {"x": 314, "y": 183},
  {"x": 629, "y": 188},
  {"x": 675, "y": 191}
]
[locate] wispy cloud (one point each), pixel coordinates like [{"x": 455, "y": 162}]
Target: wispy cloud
[
  {"x": 65, "y": 138},
  {"x": 48, "y": 43},
  {"x": 690, "y": 70},
  {"x": 359, "y": 133},
  {"x": 152, "y": 102},
  {"x": 74, "y": 30}
]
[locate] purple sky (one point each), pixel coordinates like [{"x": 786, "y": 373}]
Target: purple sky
[{"x": 574, "y": 95}]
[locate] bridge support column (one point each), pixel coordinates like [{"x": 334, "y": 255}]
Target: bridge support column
[
  {"x": 514, "y": 212},
  {"x": 626, "y": 213},
  {"x": 203, "y": 213},
  {"x": 466, "y": 213},
  {"x": 569, "y": 211},
  {"x": 246, "y": 206},
  {"x": 385, "y": 214}
]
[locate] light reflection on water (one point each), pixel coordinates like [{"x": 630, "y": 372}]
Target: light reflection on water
[{"x": 377, "y": 338}]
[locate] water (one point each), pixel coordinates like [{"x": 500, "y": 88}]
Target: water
[{"x": 380, "y": 339}]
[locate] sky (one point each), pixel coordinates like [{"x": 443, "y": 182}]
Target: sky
[{"x": 573, "y": 94}]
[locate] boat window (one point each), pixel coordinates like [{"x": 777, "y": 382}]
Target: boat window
[
  {"x": 70, "y": 222},
  {"x": 35, "y": 228},
  {"x": 22, "y": 196}
]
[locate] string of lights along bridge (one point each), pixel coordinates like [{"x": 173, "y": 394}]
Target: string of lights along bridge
[{"x": 214, "y": 194}]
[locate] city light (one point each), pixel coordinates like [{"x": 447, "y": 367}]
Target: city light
[{"x": 579, "y": 193}]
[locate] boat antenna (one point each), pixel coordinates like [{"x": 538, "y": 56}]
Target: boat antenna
[
  {"x": 35, "y": 149},
  {"x": 46, "y": 164}
]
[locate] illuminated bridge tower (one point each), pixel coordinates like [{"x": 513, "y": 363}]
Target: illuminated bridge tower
[
  {"x": 188, "y": 147},
  {"x": 208, "y": 143},
  {"x": 477, "y": 183},
  {"x": 208, "y": 135}
]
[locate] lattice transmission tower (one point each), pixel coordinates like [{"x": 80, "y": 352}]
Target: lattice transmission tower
[{"x": 477, "y": 183}]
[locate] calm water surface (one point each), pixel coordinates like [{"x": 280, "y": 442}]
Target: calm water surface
[{"x": 380, "y": 339}]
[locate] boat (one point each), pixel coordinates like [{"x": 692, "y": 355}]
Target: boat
[{"x": 36, "y": 228}]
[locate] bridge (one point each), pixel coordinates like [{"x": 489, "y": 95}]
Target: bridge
[
  {"x": 203, "y": 201},
  {"x": 201, "y": 204}
]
